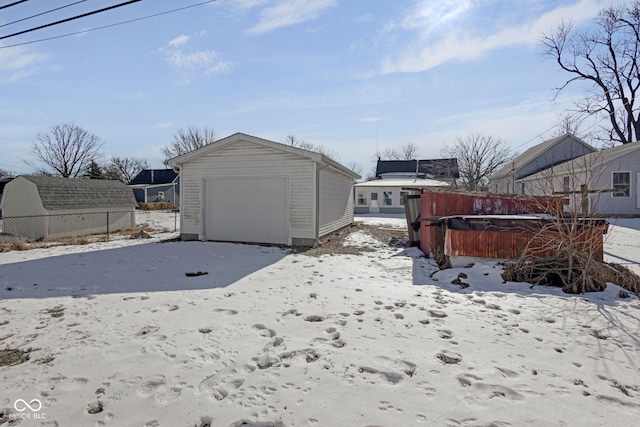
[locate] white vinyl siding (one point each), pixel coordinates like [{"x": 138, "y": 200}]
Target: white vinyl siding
[
  {"x": 248, "y": 160},
  {"x": 336, "y": 202},
  {"x": 311, "y": 194}
]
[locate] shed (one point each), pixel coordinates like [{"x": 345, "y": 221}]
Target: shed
[
  {"x": 247, "y": 189},
  {"x": 38, "y": 207},
  {"x": 156, "y": 185}
]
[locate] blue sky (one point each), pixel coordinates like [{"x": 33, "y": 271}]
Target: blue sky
[{"x": 355, "y": 76}]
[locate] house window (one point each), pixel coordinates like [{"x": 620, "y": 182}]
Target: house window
[
  {"x": 403, "y": 197},
  {"x": 566, "y": 185},
  {"x": 621, "y": 181},
  {"x": 387, "y": 198},
  {"x": 374, "y": 196},
  {"x": 362, "y": 198}
]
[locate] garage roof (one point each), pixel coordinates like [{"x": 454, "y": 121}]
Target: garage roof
[{"x": 207, "y": 149}]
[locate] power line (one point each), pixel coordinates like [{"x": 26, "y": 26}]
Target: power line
[
  {"x": 12, "y": 4},
  {"x": 107, "y": 26},
  {"x": 43, "y": 13},
  {"x": 71, "y": 19}
]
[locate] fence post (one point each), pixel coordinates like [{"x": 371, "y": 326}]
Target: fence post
[{"x": 107, "y": 226}]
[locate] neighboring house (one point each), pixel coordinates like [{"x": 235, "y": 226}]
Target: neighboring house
[
  {"x": 389, "y": 195},
  {"x": 537, "y": 158},
  {"x": 156, "y": 185},
  {"x": 248, "y": 189},
  {"x": 38, "y": 207},
  {"x": 395, "y": 179},
  {"x": 610, "y": 176},
  {"x": 442, "y": 169}
]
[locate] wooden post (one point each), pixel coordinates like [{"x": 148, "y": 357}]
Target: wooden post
[{"x": 585, "y": 200}]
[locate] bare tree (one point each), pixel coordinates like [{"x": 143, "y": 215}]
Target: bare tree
[
  {"x": 570, "y": 124},
  {"x": 124, "y": 168},
  {"x": 309, "y": 146},
  {"x": 354, "y": 167},
  {"x": 6, "y": 174},
  {"x": 185, "y": 140},
  {"x": 405, "y": 151},
  {"x": 478, "y": 156},
  {"x": 608, "y": 59},
  {"x": 66, "y": 150}
]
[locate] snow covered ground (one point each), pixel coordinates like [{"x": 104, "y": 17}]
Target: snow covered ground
[{"x": 119, "y": 335}]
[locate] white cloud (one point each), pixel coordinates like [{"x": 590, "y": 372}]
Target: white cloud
[
  {"x": 179, "y": 41},
  {"x": 442, "y": 34},
  {"x": 289, "y": 12},
  {"x": 193, "y": 63},
  {"x": 19, "y": 62}
]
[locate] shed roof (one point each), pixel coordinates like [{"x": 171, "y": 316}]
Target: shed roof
[
  {"x": 154, "y": 176},
  {"x": 436, "y": 168},
  {"x": 67, "y": 193}
]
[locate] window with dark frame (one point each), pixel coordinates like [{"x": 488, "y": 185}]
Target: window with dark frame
[
  {"x": 403, "y": 197},
  {"x": 387, "y": 198},
  {"x": 621, "y": 181}
]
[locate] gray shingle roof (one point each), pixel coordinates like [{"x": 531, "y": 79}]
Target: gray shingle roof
[
  {"x": 154, "y": 176},
  {"x": 533, "y": 153},
  {"x": 66, "y": 193},
  {"x": 438, "y": 168},
  {"x": 593, "y": 160}
]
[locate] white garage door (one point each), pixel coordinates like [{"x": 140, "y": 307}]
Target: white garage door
[{"x": 247, "y": 210}]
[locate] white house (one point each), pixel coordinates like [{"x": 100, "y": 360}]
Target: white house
[
  {"x": 38, "y": 207},
  {"x": 248, "y": 189},
  {"x": 537, "y": 158},
  {"x": 611, "y": 177},
  {"x": 389, "y": 195}
]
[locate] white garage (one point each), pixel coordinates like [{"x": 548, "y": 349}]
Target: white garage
[{"x": 248, "y": 189}]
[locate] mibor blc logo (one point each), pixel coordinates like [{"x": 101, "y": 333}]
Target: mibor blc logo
[{"x": 34, "y": 406}]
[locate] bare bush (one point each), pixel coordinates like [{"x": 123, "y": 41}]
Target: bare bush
[{"x": 567, "y": 248}]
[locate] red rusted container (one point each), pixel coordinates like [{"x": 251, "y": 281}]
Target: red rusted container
[
  {"x": 436, "y": 204},
  {"x": 503, "y": 237}
]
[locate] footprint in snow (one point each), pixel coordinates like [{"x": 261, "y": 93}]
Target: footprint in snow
[{"x": 263, "y": 331}]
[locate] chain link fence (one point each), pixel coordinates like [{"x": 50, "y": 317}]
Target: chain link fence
[
  {"x": 40, "y": 227},
  {"x": 52, "y": 227}
]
